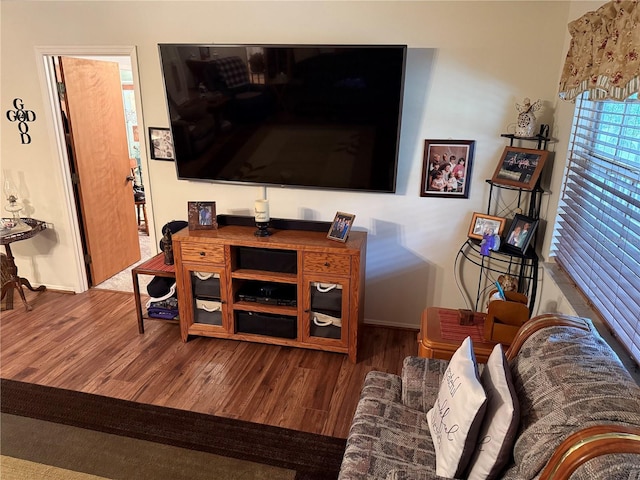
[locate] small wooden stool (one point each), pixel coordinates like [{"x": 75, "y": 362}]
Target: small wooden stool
[{"x": 145, "y": 226}]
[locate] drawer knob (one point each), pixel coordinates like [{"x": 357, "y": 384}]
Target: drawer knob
[
  {"x": 327, "y": 264},
  {"x": 202, "y": 254}
]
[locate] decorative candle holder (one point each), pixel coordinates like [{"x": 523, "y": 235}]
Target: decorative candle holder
[
  {"x": 263, "y": 229},
  {"x": 262, "y": 218}
]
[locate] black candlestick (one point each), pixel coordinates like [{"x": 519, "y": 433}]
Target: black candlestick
[{"x": 263, "y": 229}]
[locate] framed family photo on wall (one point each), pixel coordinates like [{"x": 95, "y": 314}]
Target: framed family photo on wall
[
  {"x": 520, "y": 167},
  {"x": 161, "y": 144},
  {"x": 446, "y": 169}
]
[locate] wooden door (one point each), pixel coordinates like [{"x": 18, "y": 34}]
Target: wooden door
[{"x": 100, "y": 156}]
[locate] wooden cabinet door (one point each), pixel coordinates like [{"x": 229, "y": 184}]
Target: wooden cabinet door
[
  {"x": 204, "y": 307},
  {"x": 325, "y": 310}
]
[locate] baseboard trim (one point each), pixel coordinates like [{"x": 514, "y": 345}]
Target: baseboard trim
[{"x": 403, "y": 326}]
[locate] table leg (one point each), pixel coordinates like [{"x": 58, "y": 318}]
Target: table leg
[
  {"x": 136, "y": 296},
  {"x": 16, "y": 282}
]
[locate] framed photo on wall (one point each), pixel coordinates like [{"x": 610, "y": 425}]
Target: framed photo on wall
[
  {"x": 202, "y": 216},
  {"x": 485, "y": 224},
  {"x": 520, "y": 234},
  {"x": 161, "y": 144},
  {"x": 520, "y": 167},
  {"x": 341, "y": 226},
  {"x": 446, "y": 169}
]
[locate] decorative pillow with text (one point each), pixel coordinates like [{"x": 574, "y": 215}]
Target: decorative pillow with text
[
  {"x": 456, "y": 417},
  {"x": 501, "y": 420}
]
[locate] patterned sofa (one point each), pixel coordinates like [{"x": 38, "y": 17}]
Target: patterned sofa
[{"x": 579, "y": 411}]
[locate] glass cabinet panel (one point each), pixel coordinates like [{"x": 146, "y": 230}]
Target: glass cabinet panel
[
  {"x": 207, "y": 302},
  {"x": 326, "y": 310}
]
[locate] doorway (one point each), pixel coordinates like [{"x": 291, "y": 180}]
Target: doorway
[{"x": 105, "y": 252}]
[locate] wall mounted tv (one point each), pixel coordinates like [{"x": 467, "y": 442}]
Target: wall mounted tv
[{"x": 317, "y": 116}]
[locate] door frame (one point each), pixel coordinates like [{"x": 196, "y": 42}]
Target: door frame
[{"x": 47, "y": 74}]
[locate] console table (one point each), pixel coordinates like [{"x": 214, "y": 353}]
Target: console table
[{"x": 13, "y": 280}]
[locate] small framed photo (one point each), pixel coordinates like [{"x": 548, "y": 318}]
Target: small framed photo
[
  {"x": 341, "y": 226},
  {"x": 202, "y": 216},
  {"x": 485, "y": 225},
  {"x": 446, "y": 169},
  {"x": 520, "y": 234},
  {"x": 161, "y": 144},
  {"x": 520, "y": 167}
]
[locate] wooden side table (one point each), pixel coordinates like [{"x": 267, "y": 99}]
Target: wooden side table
[
  {"x": 154, "y": 266},
  {"x": 441, "y": 334},
  {"x": 11, "y": 280}
]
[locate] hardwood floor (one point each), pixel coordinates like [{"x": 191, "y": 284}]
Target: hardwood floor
[{"x": 90, "y": 343}]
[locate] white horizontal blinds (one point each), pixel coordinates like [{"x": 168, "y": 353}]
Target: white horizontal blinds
[{"x": 597, "y": 239}]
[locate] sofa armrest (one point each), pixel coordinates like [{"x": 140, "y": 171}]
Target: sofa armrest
[
  {"x": 421, "y": 379},
  {"x": 590, "y": 443},
  {"x": 540, "y": 322}
]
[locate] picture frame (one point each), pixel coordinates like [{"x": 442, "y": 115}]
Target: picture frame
[
  {"x": 454, "y": 158},
  {"x": 520, "y": 234},
  {"x": 161, "y": 144},
  {"x": 202, "y": 216},
  {"x": 520, "y": 167},
  {"x": 481, "y": 224},
  {"x": 341, "y": 226}
]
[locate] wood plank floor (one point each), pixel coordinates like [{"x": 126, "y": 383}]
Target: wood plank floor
[{"x": 89, "y": 342}]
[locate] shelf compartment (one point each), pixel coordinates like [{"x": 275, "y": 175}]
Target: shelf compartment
[
  {"x": 265, "y": 259},
  {"x": 248, "y": 274},
  {"x": 266, "y": 293},
  {"x": 257, "y": 323},
  {"x": 258, "y": 307},
  {"x": 317, "y": 328},
  {"x": 325, "y": 296},
  {"x": 208, "y": 312},
  {"x": 205, "y": 284}
]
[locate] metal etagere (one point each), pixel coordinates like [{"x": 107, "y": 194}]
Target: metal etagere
[{"x": 524, "y": 267}]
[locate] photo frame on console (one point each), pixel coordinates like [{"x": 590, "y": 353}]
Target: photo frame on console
[
  {"x": 202, "y": 216},
  {"x": 486, "y": 224},
  {"x": 520, "y": 167},
  {"x": 446, "y": 169},
  {"x": 341, "y": 226},
  {"x": 161, "y": 144},
  {"x": 520, "y": 234}
]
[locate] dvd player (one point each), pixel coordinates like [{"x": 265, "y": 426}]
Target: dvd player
[{"x": 269, "y": 293}]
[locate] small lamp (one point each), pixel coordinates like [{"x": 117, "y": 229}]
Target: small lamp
[
  {"x": 11, "y": 193},
  {"x": 261, "y": 210}
]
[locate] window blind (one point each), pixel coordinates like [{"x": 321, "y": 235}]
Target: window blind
[{"x": 597, "y": 236}]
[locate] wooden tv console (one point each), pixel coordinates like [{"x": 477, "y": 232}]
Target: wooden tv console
[{"x": 294, "y": 288}]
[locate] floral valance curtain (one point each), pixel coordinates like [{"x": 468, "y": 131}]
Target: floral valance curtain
[{"x": 604, "y": 55}]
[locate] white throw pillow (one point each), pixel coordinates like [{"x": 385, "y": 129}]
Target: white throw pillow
[
  {"x": 456, "y": 417},
  {"x": 500, "y": 425}
]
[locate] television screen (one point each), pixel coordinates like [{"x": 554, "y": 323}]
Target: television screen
[{"x": 318, "y": 116}]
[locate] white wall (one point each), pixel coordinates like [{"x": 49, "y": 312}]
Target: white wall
[{"x": 469, "y": 63}]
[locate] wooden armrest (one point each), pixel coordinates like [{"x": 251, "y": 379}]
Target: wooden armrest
[
  {"x": 587, "y": 444},
  {"x": 540, "y": 322}
]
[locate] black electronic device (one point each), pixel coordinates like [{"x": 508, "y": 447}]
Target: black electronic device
[
  {"x": 268, "y": 293},
  {"x": 317, "y": 116}
]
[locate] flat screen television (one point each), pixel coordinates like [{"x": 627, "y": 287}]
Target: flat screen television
[{"x": 316, "y": 116}]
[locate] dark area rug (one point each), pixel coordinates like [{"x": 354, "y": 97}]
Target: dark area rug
[{"x": 313, "y": 457}]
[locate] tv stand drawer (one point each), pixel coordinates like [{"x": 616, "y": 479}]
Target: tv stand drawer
[
  {"x": 202, "y": 252},
  {"x": 327, "y": 263}
]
